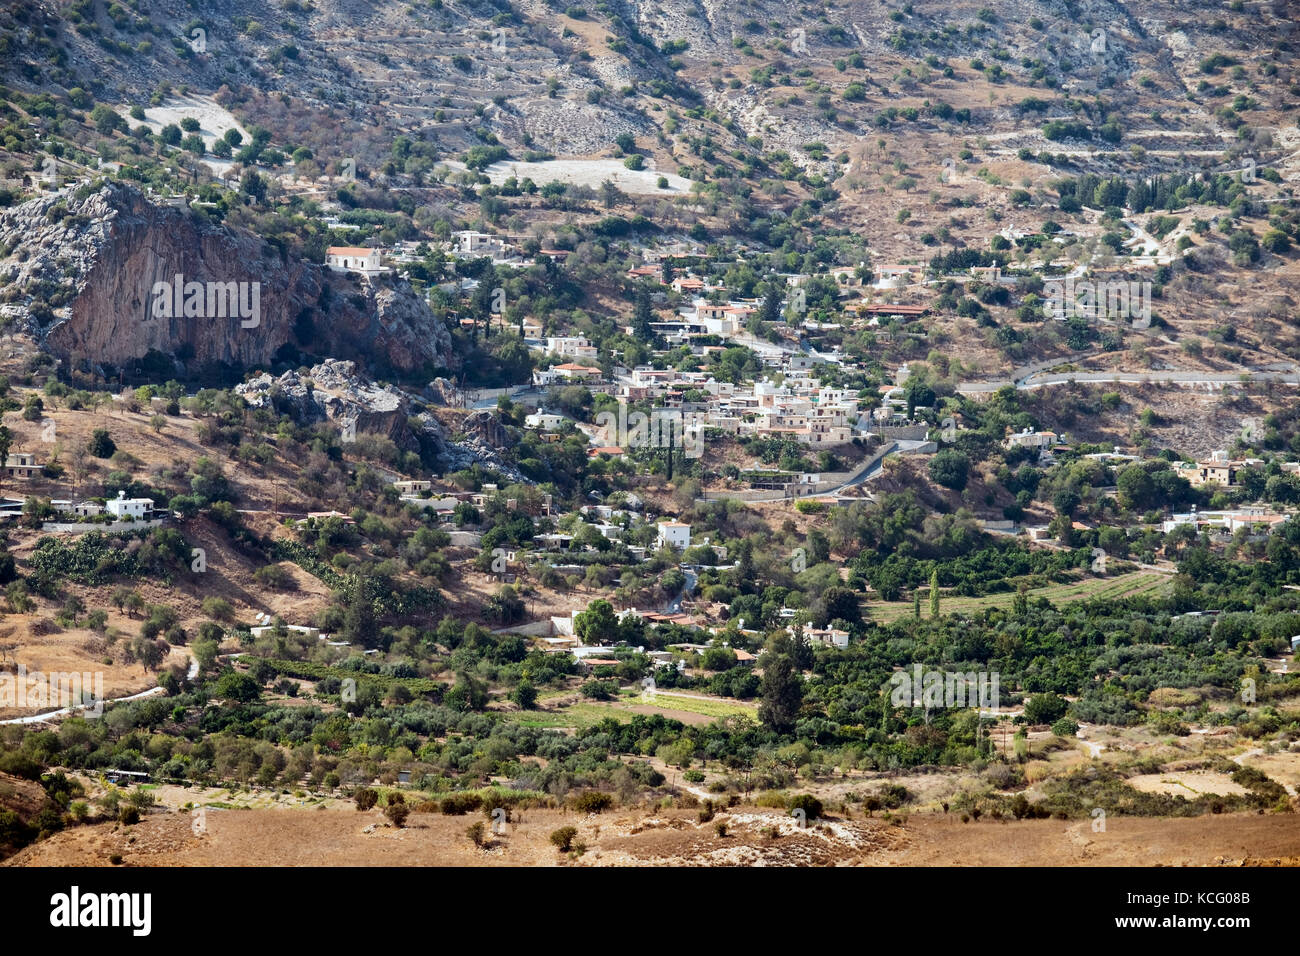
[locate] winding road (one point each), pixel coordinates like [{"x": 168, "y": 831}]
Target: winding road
[{"x": 1034, "y": 376}]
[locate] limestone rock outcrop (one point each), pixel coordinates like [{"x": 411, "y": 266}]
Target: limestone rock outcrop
[{"x": 97, "y": 272}]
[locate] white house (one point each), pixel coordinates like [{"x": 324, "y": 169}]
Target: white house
[
  {"x": 676, "y": 534},
  {"x": 829, "y": 636},
  {"x": 568, "y": 372},
  {"x": 124, "y": 507},
  {"x": 575, "y": 346},
  {"x": 413, "y": 487},
  {"x": 470, "y": 243},
  {"x": 545, "y": 421},
  {"x": 82, "y": 509},
  {"x": 354, "y": 259},
  {"x": 1032, "y": 439}
]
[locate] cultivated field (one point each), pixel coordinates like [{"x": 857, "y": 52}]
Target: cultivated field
[
  {"x": 1122, "y": 586},
  {"x": 753, "y": 837}
]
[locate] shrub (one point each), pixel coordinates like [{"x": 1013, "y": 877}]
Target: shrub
[
  {"x": 365, "y": 798},
  {"x": 459, "y": 804},
  {"x": 810, "y": 805},
  {"x": 592, "y": 801},
  {"x": 1065, "y": 727},
  {"x": 563, "y": 838}
]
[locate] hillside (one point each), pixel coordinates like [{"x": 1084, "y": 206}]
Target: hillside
[{"x": 764, "y": 433}]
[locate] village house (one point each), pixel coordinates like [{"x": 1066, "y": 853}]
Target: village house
[
  {"x": 79, "y": 509},
  {"x": 1218, "y": 470},
  {"x": 876, "y": 310},
  {"x": 574, "y": 346},
  {"x": 123, "y": 507},
  {"x": 1029, "y": 438},
  {"x": 470, "y": 243},
  {"x": 443, "y": 508},
  {"x": 354, "y": 259},
  {"x": 674, "y": 534},
  {"x": 828, "y": 636},
  {"x": 21, "y": 465},
  {"x": 544, "y": 421},
  {"x": 655, "y": 272},
  {"x": 894, "y": 276},
  {"x": 1229, "y": 521},
  {"x": 318, "y": 516},
  {"x": 413, "y": 487},
  {"x": 566, "y": 373}
]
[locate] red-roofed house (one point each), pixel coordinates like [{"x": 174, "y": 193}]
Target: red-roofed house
[{"x": 353, "y": 259}]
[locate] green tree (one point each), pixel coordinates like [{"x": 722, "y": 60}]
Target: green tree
[
  {"x": 1136, "y": 488},
  {"x": 642, "y": 316},
  {"x": 950, "y": 468},
  {"x": 236, "y": 686},
  {"x": 770, "y": 311},
  {"x": 597, "y": 624},
  {"x": 934, "y": 593},
  {"x": 1045, "y": 708},
  {"x": 525, "y": 695},
  {"x": 782, "y": 693},
  {"x": 101, "y": 445}
]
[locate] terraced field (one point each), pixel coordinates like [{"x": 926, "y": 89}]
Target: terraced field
[{"x": 1120, "y": 586}]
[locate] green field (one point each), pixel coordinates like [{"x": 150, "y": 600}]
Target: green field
[
  {"x": 708, "y": 706},
  {"x": 1120, "y": 586},
  {"x": 588, "y": 712}
]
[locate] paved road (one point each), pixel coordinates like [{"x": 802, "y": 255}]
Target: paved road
[
  {"x": 1038, "y": 379},
  {"x": 675, "y": 605},
  {"x": 1169, "y": 377},
  {"x": 866, "y": 474},
  {"x": 1018, "y": 375}
]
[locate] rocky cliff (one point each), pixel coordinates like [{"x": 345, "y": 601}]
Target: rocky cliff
[
  {"x": 333, "y": 391},
  {"x": 99, "y": 268}
]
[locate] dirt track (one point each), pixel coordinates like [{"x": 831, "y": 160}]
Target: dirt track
[{"x": 670, "y": 838}]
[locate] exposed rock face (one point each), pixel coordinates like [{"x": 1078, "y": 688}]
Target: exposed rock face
[
  {"x": 474, "y": 449},
  {"x": 332, "y": 391},
  {"x": 110, "y": 259},
  {"x": 442, "y": 391}
]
